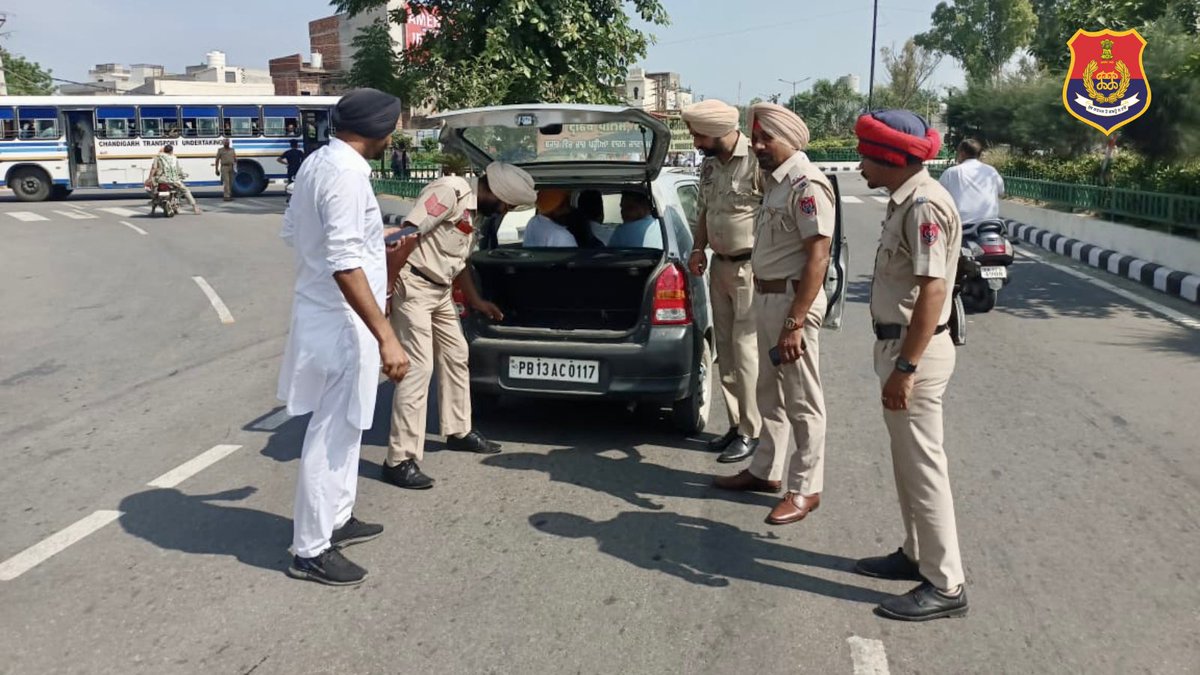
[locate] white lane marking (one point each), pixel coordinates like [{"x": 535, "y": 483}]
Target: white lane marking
[
  {"x": 849, "y": 199},
  {"x": 235, "y": 205},
  {"x": 881, "y": 200},
  {"x": 38, "y": 553},
  {"x": 869, "y": 656},
  {"x": 1163, "y": 310},
  {"x": 222, "y": 310},
  {"x": 120, "y": 211},
  {"x": 27, "y": 216},
  {"x": 133, "y": 227},
  {"x": 193, "y": 466},
  {"x": 76, "y": 215}
]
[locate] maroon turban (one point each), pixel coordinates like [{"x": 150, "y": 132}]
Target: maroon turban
[{"x": 892, "y": 136}]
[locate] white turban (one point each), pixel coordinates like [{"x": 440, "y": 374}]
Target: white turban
[
  {"x": 511, "y": 184},
  {"x": 780, "y": 123},
  {"x": 711, "y": 118}
]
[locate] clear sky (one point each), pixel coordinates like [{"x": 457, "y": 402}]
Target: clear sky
[{"x": 713, "y": 45}]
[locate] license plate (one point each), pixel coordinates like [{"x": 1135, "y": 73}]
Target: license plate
[
  {"x": 994, "y": 272},
  {"x": 557, "y": 370}
]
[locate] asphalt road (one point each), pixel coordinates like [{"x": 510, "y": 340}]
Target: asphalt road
[{"x": 593, "y": 544}]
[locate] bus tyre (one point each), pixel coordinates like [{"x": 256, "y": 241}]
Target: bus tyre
[
  {"x": 60, "y": 192},
  {"x": 30, "y": 184},
  {"x": 248, "y": 180}
]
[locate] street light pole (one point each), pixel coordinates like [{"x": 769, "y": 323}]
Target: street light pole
[
  {"x": 874, "y": 32},
  {"x": 792, "y": 101},
  {"x": 3, "y": 83}
]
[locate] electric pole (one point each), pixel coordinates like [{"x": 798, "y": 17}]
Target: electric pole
[{"x": 792, "y": 102}]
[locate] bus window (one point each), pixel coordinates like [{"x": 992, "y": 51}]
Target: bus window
[
  {"x": 201, "y": 120},
  {"x": 241, "y": 120},
  {"x": 281, "y": 120},
  {"x": 118, "y": 121},
  {"x": 160, "y": 121},
  {"x": 8, "y": 124},
  {"x": 38, "y": 122}
]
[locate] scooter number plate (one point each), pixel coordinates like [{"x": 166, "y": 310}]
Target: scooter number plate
[{"x": 994, "y": 272}]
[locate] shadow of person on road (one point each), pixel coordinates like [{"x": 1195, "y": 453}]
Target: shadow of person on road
[
  {"x": 705, "y": 552},
  {"x": 628, "y": 478},
  {"x": 176, "y": 521}
]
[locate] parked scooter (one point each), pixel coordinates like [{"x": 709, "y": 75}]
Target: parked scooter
[{"x": 166, "y": 197}]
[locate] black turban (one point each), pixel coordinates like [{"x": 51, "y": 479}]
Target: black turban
[{"x": 370, "y": 113}]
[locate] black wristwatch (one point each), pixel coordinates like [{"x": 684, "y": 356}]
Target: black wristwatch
[{"x": 905, "y": 366}]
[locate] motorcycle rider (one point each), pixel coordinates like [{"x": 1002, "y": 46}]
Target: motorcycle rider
[
  {"x": 166, "y": 169},
  {"x": 976, "y": 187}
]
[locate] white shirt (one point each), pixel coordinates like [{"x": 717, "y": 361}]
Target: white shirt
[
  {"x": 976, "y": 188},
  {"x": 543, "y": 232},
  {"x": 333, "y": 222}
]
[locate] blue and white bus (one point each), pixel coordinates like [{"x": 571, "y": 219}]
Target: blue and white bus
[{"x": 51, "y": 145}]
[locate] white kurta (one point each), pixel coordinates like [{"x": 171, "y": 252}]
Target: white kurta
[
  {"x": 333, "y": 223},
  {"x": 976, "y": 188}
]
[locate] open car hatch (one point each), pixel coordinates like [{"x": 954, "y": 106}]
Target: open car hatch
[{"x": 562, "y": 144}]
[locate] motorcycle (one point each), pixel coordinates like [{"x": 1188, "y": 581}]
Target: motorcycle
[
  {"x": 166, "y": 197},
  {"x": 983, "y": 263}
]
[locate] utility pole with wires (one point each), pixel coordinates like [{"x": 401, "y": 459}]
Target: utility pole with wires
[
  {"x": 3, "y": 83},
  {"x": 874, "y": 32}
]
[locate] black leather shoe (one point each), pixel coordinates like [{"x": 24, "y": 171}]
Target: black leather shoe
[
  {"x": 741, "y": 448},
  {"x": 472, "y": 442},
  {"x": 720, "y": 443},
  {"x": 407, "y": 475},
  {"x": 924, "y": 603},
  {"x": 895, "y": 566}
]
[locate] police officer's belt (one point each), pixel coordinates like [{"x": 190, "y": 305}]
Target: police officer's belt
[
  {"x": 771, "y": 286},
  {"x": 893, "y": 331},
  {"x": 424, "y": 276},
  {"x": 741, "y": 257}
]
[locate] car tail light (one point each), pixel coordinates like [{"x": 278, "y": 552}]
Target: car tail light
[
  {"x": 460, "y": 303},
  {"x": 671, "y": 306}
]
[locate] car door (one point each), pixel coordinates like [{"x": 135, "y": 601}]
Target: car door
[{"x": 839, "y": 264}]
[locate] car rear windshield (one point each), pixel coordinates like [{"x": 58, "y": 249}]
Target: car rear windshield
[{"x": 612, "y": 142}]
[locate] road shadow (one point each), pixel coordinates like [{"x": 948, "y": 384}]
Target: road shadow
[
  {"x": 627, "y": 478},
  {"x": 1174, "y": 339},
  {"x": 1040, "y": 292},
  {"x": 705, "y": 552},
  {"x": 175, "y": 521}
]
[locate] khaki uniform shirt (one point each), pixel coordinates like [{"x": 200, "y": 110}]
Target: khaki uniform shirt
[
  {"x": 797, "y": 205},
  {"x": 444, "y": 215},
  {"x": 730, "y": 194},
  {"x": 921, "y": 237},
  {"x": 226, "y": 157}
]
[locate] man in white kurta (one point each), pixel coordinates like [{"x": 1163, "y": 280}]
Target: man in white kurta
[{"x": 339, "y": 336}]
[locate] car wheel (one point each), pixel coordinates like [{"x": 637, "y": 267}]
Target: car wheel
[{"x": 690, "y": 415}]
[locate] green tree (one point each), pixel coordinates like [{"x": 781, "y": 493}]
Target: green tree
[
  {"x": 830, "y": 108},
  {"x": 490, "y": 52},
  {"x": 1170, "y": 128},
  {"x": 24, "y": 77},
  {"x": 376, "y": 63},
  {"x": 908, "y": 70},
  {"x": 982, "y": 35}
]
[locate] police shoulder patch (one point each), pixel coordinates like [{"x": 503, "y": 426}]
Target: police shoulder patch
[
  {"x": 930, "y": 233},
  {"x": 434, "y": 207},
  {"x": 808, "y": 205}
]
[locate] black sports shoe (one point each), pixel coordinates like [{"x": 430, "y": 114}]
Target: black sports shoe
[
  {"x": 407, "y": 475},
  {"x": 473, "y": 441},
  {"x": 924, "y": 603},
  {"x": 893, "y": 566},
  {"x": 354, "y": 532},
  {"x": 330, "y": 568}
]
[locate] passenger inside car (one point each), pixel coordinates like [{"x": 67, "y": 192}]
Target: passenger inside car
[
  {"x": 590, "y": 208},
  {"x": 639, "y": 228},
  {"x": 547, "y": 229}
]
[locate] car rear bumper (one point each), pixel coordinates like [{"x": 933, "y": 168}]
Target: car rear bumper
[{"x": 658, "y": 370}]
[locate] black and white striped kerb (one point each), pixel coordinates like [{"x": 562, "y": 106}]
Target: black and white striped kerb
[{"x": 1165, "y": 279}]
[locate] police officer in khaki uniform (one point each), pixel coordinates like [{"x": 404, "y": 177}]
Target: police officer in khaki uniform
[
  {"x": 225, "y": 166},
  {"x": 911, "y": 296},
  {"x": 425, "y": 319},
  {"x": 730, "y": 194},
  {"x": 791, "y": 260}
]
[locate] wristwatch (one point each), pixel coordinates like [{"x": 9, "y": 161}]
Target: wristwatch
[
  {"x": 791, "y": 323},
  {"x": 905, "y": 366}
]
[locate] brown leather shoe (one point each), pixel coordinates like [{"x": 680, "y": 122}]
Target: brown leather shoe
[
  {"x": 793, "y": 508},
  {"x": 744, "y": 481}
]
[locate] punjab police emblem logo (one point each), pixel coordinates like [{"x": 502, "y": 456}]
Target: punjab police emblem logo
[{"x": 1106, "y": 86}]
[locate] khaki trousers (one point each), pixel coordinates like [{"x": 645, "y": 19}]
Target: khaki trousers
[
  {"x": 790, "y": 398},
  {"x": 731, "y": 293},
  {"x": 227, "y": 180},
  {"x": 426, "y": 322},
  {"x": 919, "y": 462}
]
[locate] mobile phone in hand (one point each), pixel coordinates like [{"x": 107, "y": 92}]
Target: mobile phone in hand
[
  {"x": 774, "y": 354},
  {"x": 404, "y": 232}
]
